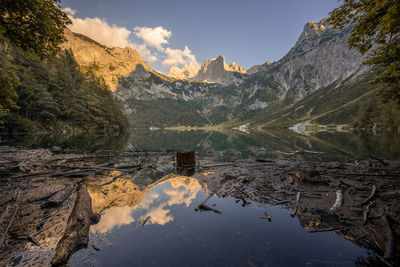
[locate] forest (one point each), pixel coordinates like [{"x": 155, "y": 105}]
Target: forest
[{"x": 55, "y": 96}]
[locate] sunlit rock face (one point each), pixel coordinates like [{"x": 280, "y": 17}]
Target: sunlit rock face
[
  {"x": 217, "y": 71},
  {"x": 107, "y": 63}
]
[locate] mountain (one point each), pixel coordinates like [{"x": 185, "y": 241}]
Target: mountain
[
  {"x": 107, "y": 63},
  {"x": 319, "y": 58},
  {"x": 319, "y": 75},
  {"x": 217, "y": 71}
]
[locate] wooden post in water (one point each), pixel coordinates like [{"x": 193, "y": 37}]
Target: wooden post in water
[{"x": 186, "y": 162}]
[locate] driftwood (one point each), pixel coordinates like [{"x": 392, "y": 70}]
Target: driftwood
[
  {"x": 329, "y": 229},
  {"x": 18, "y": 204},
  {"x": 204, "y": 207},
  {"x": 298, "y": 196},
  {"x": 76, "y": 234},
  {"x": 339, "y": 201},
  {"x": 389, "y": 240},
  {"x": 266, "y": 216},
  {"x": 218, "y": 165},
  {"x": 371, "y": 196},
  {"x": 390, "y": 194},
  {"x": 95, "y": 247},
  {"x": 143, "y": 223},
  {"x": 366, "y": 212},
  {"x": 241, "y": 191},
  {"x": 213, "y": 193}
]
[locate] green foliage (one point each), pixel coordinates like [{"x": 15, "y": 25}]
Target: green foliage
[
  {"x": 56, "y": 96},
  {"x": 36, "y": 26},
  {"x": 376, "y": 32},
  {"x": 8, "y": 81}
]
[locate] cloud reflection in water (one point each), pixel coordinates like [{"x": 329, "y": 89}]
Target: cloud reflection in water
[{"x": 156, "y": 203}]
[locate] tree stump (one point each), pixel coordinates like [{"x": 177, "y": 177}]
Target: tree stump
[
  {"x": 186, "y": 162},
  {"x": 185, "y": 159}
]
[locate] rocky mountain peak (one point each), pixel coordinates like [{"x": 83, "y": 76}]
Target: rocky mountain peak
[
  {"x": 312, "y": 29},
  {"x": 216, "y": 70}
]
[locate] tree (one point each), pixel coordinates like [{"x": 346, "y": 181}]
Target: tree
[
  {"x": 376, "y": 33},
  {"x": 36, "y": 26},
  {"x": 8, "y": 81}
]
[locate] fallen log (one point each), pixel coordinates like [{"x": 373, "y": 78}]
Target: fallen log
[
  {"x": 76, "y": 234},
  {"x": 339, "y": 201},
  {"x": 389, "y": 240},
  {"x": 371, "y": 195},
  {"x": 208, "y": 197},
  {"x": 366, "y": 212}
]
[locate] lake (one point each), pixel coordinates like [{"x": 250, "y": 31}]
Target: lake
[{"x": 152, "y": 219}]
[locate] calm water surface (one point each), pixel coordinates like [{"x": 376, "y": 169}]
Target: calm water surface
[{"x": 177, "y": 235}]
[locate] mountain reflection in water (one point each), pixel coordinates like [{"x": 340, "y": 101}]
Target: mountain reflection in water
[{"x": 158, "y": 225}]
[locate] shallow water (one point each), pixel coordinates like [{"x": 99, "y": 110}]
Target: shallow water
[{"x": 177, "y": 235}]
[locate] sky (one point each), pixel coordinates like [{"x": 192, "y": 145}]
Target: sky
[{"x": 181, "y": 34}]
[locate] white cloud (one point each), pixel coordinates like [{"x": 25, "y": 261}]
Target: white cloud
[
  {"x": 182, "y": 63},
  {"x": 187, "y": 71},
  {"x": 113, "y": 217},
  {"x": 69, "y": 11},
  {"x": 177, "y": 57},
  {"x": 155, "y": 37}
]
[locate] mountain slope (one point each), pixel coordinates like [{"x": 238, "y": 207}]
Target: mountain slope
[
  {"x": 337, "y": 103},
  {"x": 107, "y": 63}
]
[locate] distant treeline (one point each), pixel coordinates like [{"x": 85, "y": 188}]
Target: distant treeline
[{"x": 55, "y": 96}]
